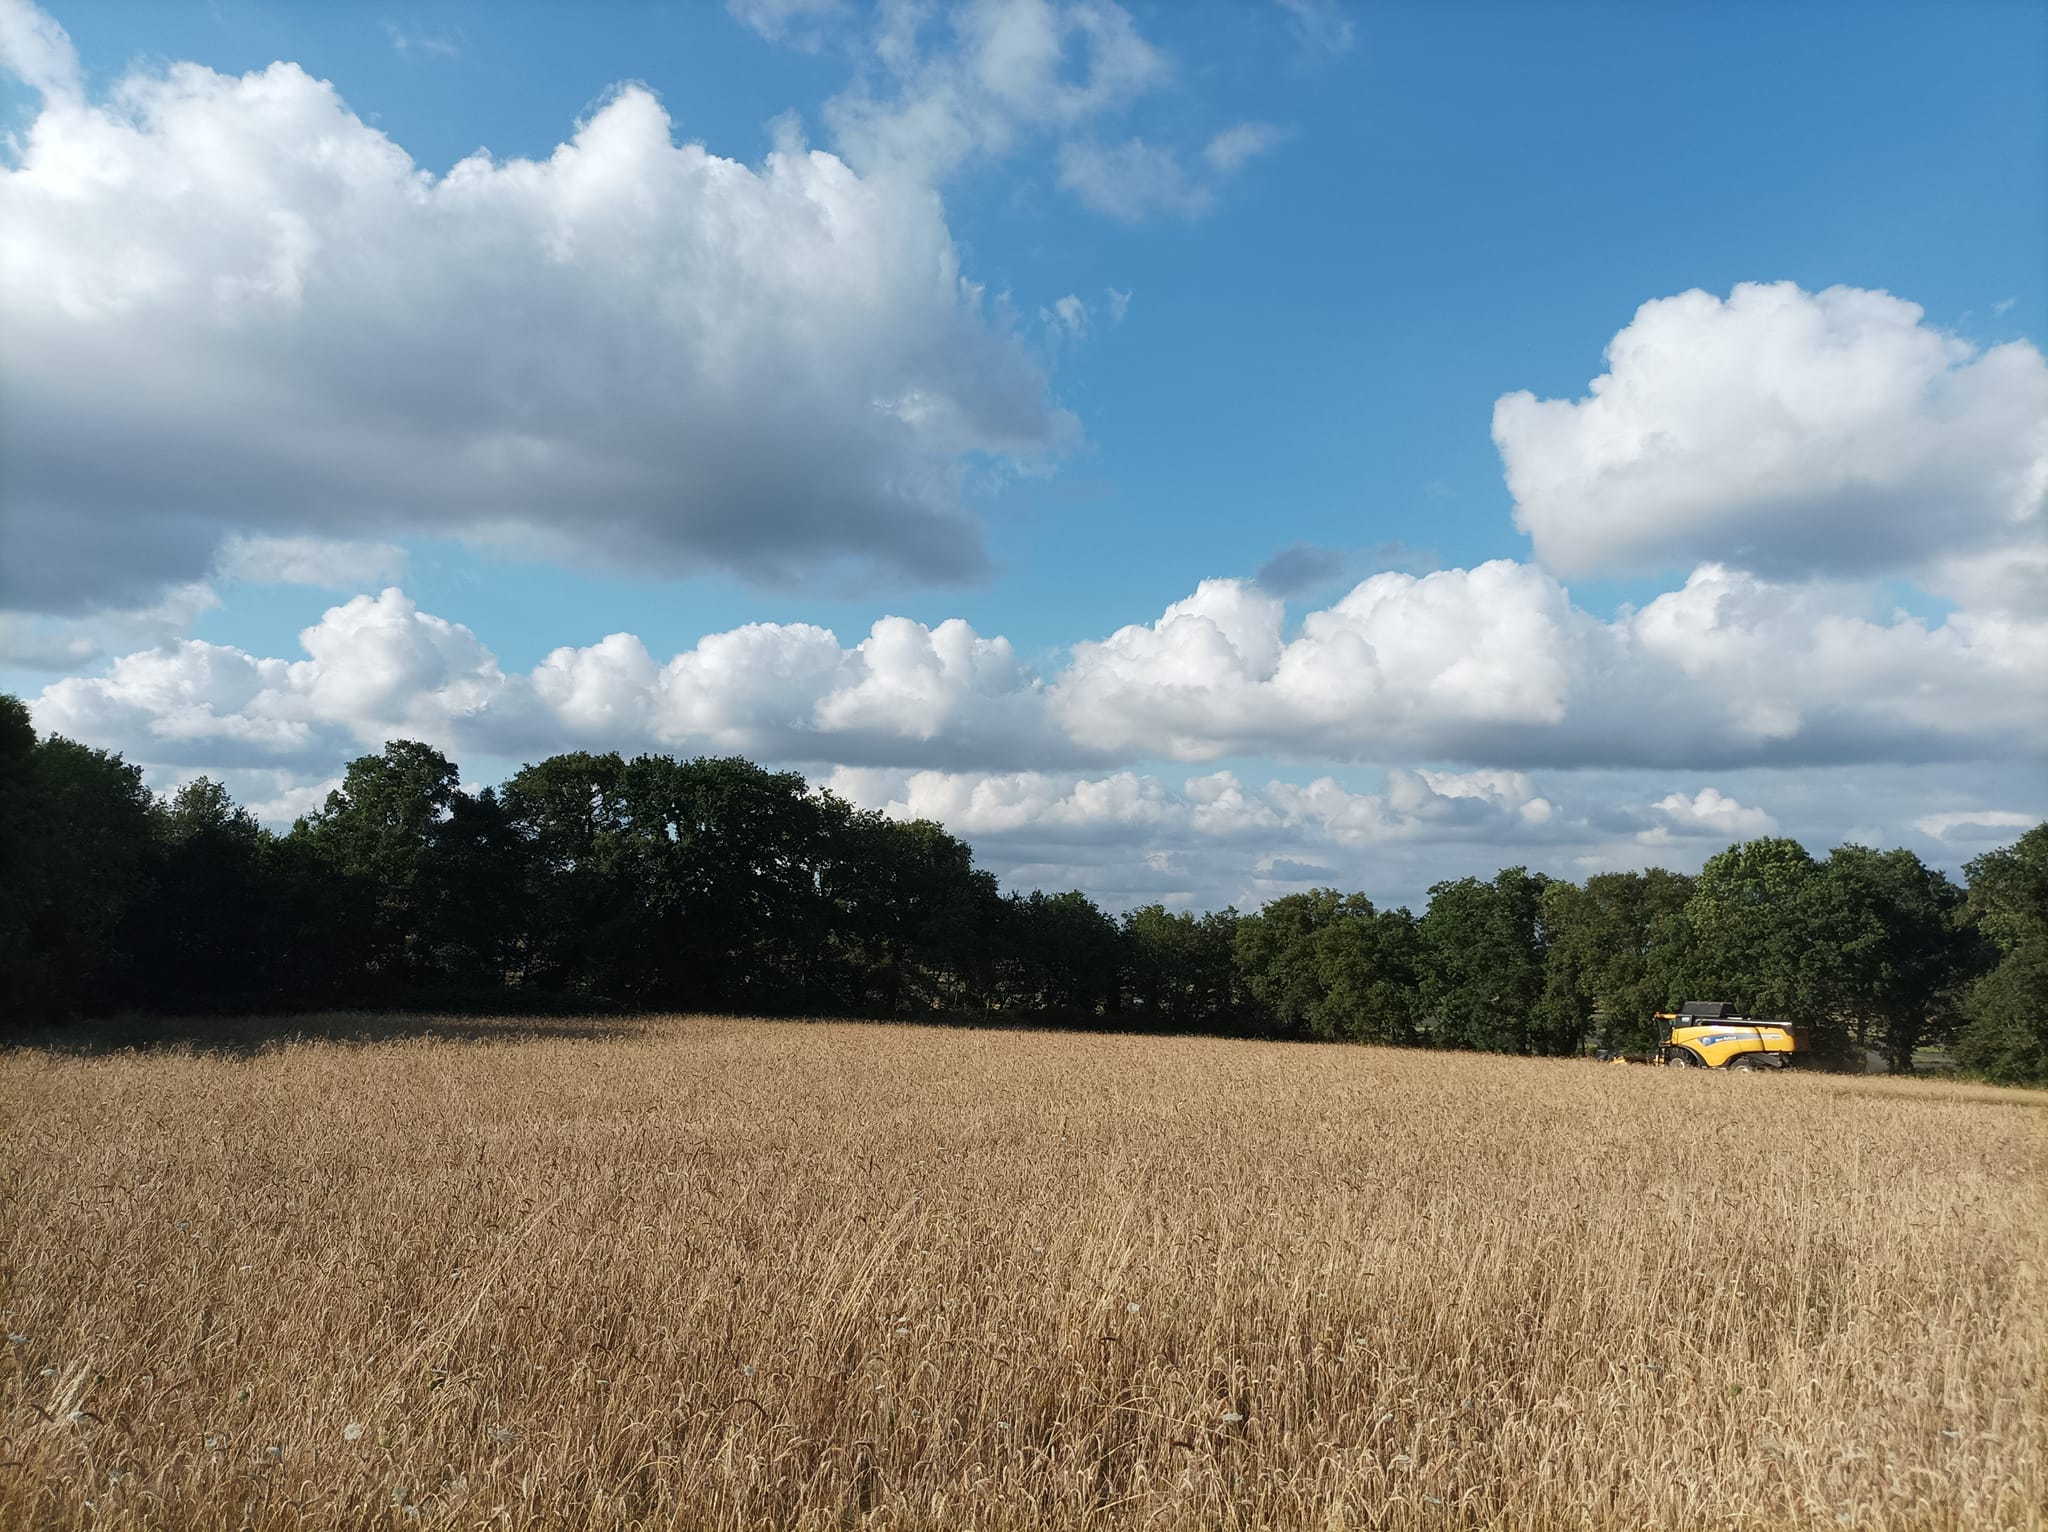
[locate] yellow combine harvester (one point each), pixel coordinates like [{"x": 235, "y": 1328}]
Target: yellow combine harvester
[{"x": 1707, "y": 1034}]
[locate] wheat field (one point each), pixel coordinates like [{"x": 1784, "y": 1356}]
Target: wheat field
[{"x": 711, "y": 1273}]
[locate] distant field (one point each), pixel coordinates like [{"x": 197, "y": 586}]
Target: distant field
[{"x": 729, "y": 1274}]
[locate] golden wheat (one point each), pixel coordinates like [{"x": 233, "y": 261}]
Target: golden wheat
[{"x": 728, "y": 1274}]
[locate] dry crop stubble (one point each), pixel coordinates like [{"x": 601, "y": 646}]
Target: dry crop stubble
[{"x": 715, "y": 1273}]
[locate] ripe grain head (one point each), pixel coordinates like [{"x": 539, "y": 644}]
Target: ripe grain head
[{"x": 721, "y": 1273}]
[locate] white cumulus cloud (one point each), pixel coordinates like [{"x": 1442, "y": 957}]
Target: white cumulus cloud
[
  {"x": 1709, "y": 813},
  {"x": 1496, "y": 665},
  {"x": 1493, "y": 667},
  {"x": 1398, "y": 659},
  {"x": 1784, "y": 432},
  {"x": 630, "y": 352},
  {"x": 376, "y": 668},
  {"x": 1132, "y": 837},
  {"x": 1459, "y": 686}
]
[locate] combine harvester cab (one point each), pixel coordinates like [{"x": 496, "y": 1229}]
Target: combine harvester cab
[{"x": 1707, "y": 1034}]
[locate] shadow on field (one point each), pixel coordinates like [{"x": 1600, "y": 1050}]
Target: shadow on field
[
  {"x": 252, "y": 1034},
  {"x": 465, "y": 1022}
]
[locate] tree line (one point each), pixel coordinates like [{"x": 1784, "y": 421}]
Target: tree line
[{"x": 715, "y": 884}]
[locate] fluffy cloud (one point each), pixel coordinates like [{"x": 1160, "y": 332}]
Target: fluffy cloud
[
  {"x": 1787, "y": 433},
  {"x": 1397, "y": 663},
  {"x": 189, "y": 703},
  {"x": 1053, "y": 776},
  {"x": 987, "y": 805},
  {"x": 1496, "y": 806},
  {"x": 383, "y": 667},
  {"x": 1709, "y": 813},
  {"x": 1737, "y": 667},
  {"x": 632, "y": 351},
  {"x": 377, "y": 668},
  {"x": 790, "y": 691},
  {"x": 1492, "y": 666},
  {"x": 1207, "y": 841},
  {"x": 1130, "y": 837}
]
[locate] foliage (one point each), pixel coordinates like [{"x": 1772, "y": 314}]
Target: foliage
[
  {"x": 75, "y": 838},
  {"x": 1181, "y": 972},
  {"x": 203, "y": 933},
  {"x": 2006, "y": 1033},
  {"x": 1057, "y": 954},
  {"x": 912, "y": 910},
  {"x": 1894, "y": 946},
  {"x": 1328, "y": 965},
  {"x": 1756, "y": 933},
  {"x": 1482, "y": 967},
  {"x": 658, "y": 883},
  {"x": 1613, "y": 946}
]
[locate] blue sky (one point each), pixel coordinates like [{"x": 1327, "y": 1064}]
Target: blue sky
[{"x": 1305, "y": 248}]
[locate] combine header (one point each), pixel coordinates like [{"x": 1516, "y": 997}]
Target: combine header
[{"x": 1707, "y": 1034}]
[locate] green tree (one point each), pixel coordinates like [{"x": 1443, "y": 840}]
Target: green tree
[
  {"x": 1180, "y": 969},
  {"x": 911, "y": 912},
  {"x": 75, "y": 851},
  {"x": 582, "y": 918},
  {"x": 1328, "y": 965},
  {"x": 1612, "y": 948},
  {"x": 1058, "y": 954},
  {"x": 377, "y": 832},
  {"x": 1368, "y": 968},
  {"x": 726, "y": 859},
  {"x": 21, "y": 852},
  {"x": 1758, "y": 931},
  {"x": 204, "y": 934},
  {"x": 1276, "y": 953},
  {"x": 321, "y": 922},
  {"x": 2005, "y": 1036},
  {"x": 1893, "y": 950},
  {"x": 713, "y": 882},
  {"x": 472, "y": 894},
  {"x": 1481, "y": 966}
]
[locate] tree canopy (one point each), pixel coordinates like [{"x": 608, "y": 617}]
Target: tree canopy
[{"x": 717, "y": 884}]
